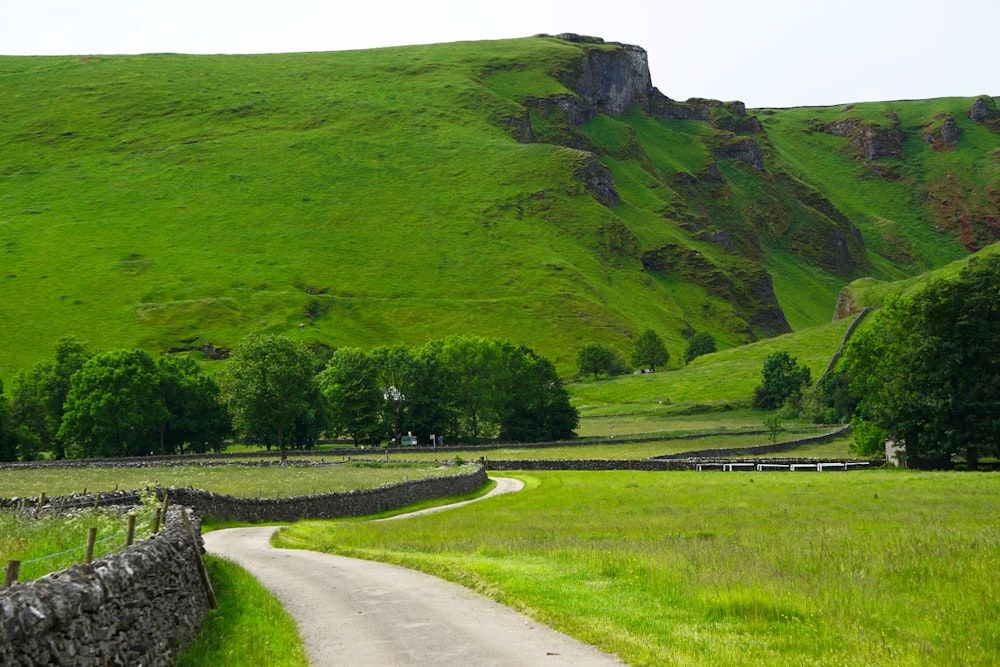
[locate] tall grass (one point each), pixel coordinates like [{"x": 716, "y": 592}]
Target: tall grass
[
  {"x": 233, "y": 480},
  {"x": 874, "y": 568},
  {"x": 54, "y": 542}
]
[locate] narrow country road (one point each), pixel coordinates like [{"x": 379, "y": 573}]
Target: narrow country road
[{"x": 358, "y": 612}]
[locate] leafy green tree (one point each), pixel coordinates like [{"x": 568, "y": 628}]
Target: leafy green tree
[
  {"x": 395, "y": 372},
  {"x": 114, "y": 407},
  {"x": 350, "y": 384},
  {"x": 650, "y": 351},
  {"x": 432, "y": 401},
  {"x": 39, "y": 394},
  {"x": 195, "y": 417},
  {"x": 782, "y": 378},
  {"x": 7, "y": 442},
  {"x": 928, "y": 373},
  {"x": 701, "y": 343},
  {"x": 594, "y": 359},
  {"x": 531, "y": 403},
  {"x": 469, "y": 360},
  {"x": 268, "y": 387}
]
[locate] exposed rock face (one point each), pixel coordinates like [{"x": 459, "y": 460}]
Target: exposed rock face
[
  {"x": 662, "y": 106},
  {"x": 942, "y": 133},
  {"x": 577, "y": 111},
  {"x": 872, "y": 141},
  {"x": 599, "y": 181},
  {"x": 614, "y": 80},
  {"x": 949, "y": 131},
  {"x": 742, "y": 148},
  {"x": 748, "y": 287},
  {"x": 984, "y": 109}
]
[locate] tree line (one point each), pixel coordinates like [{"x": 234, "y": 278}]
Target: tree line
[
  {"x": 648, "y": 353},
  {"x": 925, "y": 373},
  {"x": 276, "y": 392}
]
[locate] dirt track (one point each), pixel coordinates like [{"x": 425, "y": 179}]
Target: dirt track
[{"x": 358, "y": 612}]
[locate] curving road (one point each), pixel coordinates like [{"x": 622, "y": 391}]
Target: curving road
[{"x": 359, "y": 612}]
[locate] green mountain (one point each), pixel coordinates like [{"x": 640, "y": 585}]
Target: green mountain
[{"x": 536, "y": 189}]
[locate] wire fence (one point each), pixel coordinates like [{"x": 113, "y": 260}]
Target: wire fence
[{"x": 63, "y": 516}]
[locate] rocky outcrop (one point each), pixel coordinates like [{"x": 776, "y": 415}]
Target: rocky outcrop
[
  {"x": 984, "y": 109},
  {"x": 942, "y": 133},
  {"x": 599, "y": 181},
  {"x": 613, "y": 80},
  {"x": 662, "y": 106},
  {"x": 870, "y": 140},
  {"x": 742, "y": 148},
  {"x": 747, "y": 286}
]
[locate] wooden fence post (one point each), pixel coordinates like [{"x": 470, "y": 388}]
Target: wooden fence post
[
  {"x": 163, "y": 512},
  {"x": 91, "y": 539},
  {"x": 130, "y": 535},
  {"x": 13, "y": 570},
  {"x": 202, "y": 571}
]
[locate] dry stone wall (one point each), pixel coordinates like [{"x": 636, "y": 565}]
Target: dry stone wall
[
  {"x": 138, "y": 607},
  {"x": 328, "y": 505}
]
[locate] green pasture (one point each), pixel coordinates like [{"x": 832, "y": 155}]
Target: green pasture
[
  {"x": 720, "y": 381},
  {"x": 240, "y": 481},
  {"x": 863, "y": 568},
  {"x": 360, "y": 198},
  {"x": 624, "y": 448},
  {"x": 55, "y": 542}
]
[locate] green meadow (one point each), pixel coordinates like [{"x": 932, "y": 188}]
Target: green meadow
[
  {"x": 175, "y": 202},
  {"x": 872, "y": 568},
  {"x": 240, "y": 481}
]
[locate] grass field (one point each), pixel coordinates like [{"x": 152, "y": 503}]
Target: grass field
[
  {"x": 234, "y": 480},
  {"x": 55, "y": 542},
  {"x": 873, "y": 568},
  {"x": 169, "y": 201}
]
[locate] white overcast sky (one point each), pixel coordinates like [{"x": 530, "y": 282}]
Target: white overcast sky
[{"x": 767, "y": 53}]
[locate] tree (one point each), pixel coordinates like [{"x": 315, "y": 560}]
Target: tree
[
  {"x": 594, "y": 359},
  {"x": 268, "y": 387},
  {"x": 531, "y": 403},
  {"x": 394, "y": 369},
  {"x": 7, "y": 443},
  {"x": 649, "y": 351},
  {"x": 350, "y": 384},
  {"x": 469, "y": 359},
  {"x": 114, "y": 407},
  {"x": 432, "y": 402},
  {"x": 782, "y": 378},
  {"x": 927, "y": 372},
  {"x": 701, "y": 343},
  {"x": 195, "y": 417},
  {"x": 39, "y": 394}
]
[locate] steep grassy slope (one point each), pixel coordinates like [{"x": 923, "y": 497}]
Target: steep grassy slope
[
  {"x": 358, "y": 198},
  {"x": 919, "y": 187}
]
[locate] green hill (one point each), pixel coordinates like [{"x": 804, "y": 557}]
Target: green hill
[{"x": 534, "y": 189}]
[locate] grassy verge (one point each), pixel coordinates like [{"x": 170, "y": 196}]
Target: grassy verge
[
  {"x": 878, "y": 568},
  {"x": 250, "y": 627}
]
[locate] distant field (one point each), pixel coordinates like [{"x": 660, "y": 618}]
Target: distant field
[
  {"x": 859, "y": 569},
  {"x": 726, "y": 377},
  {"x": 238, "y": 481}
]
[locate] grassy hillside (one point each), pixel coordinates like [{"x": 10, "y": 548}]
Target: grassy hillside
[{"x": 173, "y": 202}]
